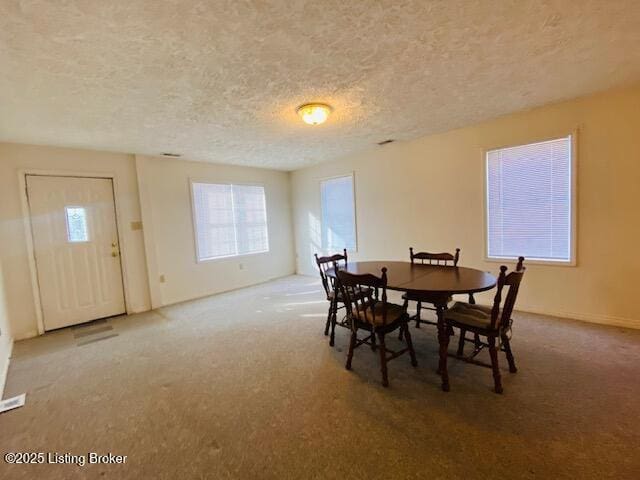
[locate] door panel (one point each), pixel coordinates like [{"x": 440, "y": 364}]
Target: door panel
[{"x": 76, "y": 247}]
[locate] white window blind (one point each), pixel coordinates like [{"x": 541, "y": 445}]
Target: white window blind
[
  {"x": 529, "y": 201},
  {"x": 338, "y": 214},
  {"x": 251, "y": 219},
  {"x": 229, "y": 220}
]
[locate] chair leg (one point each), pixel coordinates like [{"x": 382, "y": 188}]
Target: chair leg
[
  {"x": 373, "y": 340},
  {"x": 334, "y": 316},
  {"x": 412, "y": 352},
  {"x": 405, "y": 305},
  {"x": 383, "y": 360},
  {"x": 493, "y": 352},
  {"x": 418, "y": 314},
  {"x": 507, "y": 350},
  {"x": 352, "y": 346},
  {"x": 463, "y": 333},
  {"x": 443, "y": 339},
  {"x": 328, "y": 324}
]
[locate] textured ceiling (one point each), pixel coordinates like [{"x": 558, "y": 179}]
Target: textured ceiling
[{"x": 219, "y": 81}]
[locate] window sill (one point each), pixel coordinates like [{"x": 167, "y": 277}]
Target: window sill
[
  {"x": 331, "y": 251},
  {"x": 228, "y": 257},
  {"x": 533, "y": 261}
]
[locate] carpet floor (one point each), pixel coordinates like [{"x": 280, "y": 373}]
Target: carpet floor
[{"x": 244, "y": 385}]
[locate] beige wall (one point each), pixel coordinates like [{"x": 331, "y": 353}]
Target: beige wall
[
  {"x": 167, "y": 228},
  {"x": 6, "y": 342},
  {"x": 13, "y": 254},
  {"x": 169, "y": 236},
  {"x": 428, "y": 193}
]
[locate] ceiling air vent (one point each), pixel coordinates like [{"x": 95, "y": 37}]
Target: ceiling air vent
[{"x": 385, "y": 142}]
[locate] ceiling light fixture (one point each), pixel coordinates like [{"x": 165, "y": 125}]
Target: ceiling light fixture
[{"x": 314, "y": 113}]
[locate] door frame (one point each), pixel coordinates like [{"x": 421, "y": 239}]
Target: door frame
[{"x": 26, "y": 217}]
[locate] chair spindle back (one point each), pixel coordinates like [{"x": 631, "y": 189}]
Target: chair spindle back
[
  {"x": 324, "y": 264},
  {"x": 512, "y": 281},
  {"x": 434, "y": 258},
  {"x": 362, "y": 304}
]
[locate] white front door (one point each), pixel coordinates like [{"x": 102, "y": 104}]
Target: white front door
[{"x": 75, "y": 239}]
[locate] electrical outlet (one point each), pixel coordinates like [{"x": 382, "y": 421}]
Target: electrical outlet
[
  {"x": 241, "y": 266},
  {"x": 162, "y": 279}
]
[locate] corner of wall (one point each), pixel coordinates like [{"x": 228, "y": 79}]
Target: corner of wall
[
  {"x": 4, "y": 370},
  {"x": 292, "y": 220},
  {"x": 146, "y": 215},
  {"x": 6, "y": 340}
]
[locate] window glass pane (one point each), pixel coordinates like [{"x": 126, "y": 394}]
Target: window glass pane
[
  {"x": 338, "y": 214},
  {"x": 215, "y": 232},
  {"x": 77, "y": 230},
  {"x": 529, "y": 201},
  {"x": 229, "y": 220},
  {"x": 251, "y": 218}
]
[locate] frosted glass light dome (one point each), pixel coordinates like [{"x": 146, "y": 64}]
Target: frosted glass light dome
[{"x": 314, "y": 113}]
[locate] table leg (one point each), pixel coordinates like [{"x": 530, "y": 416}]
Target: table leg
[
  {"x": 443, "y": 338},
  {"x": 334, "y": 314}
]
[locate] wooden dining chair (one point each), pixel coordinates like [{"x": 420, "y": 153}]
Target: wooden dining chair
[
  {"x": 493, "y": 323},
  {"x": 426, "y": 258},
  {"x": 373, "y": 313},
  {"x": 333, "y": 296}
]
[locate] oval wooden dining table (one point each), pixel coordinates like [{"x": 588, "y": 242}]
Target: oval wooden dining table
[{"x": 435, "y": 283}]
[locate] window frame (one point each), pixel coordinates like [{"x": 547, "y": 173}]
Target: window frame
[
  {"x": 355, "y": 210},
  {"x": 573, "y": 232},
  {"x": 194, "y": 227}
]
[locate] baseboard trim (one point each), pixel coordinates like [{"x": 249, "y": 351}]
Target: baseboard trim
[
  {"x": 139, "y": 309},
  {"x": 26, "y": 335},
  {"x": 5, "y": 370},
  {"x": 599, "y": 319},
  {"x": 205, "y": 295}
]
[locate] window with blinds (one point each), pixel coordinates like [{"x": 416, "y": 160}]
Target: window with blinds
[
  {"x": 338, "y": 214},
  {"x": 530, "y": 201},
  {"x": 229, "y": 220}
]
